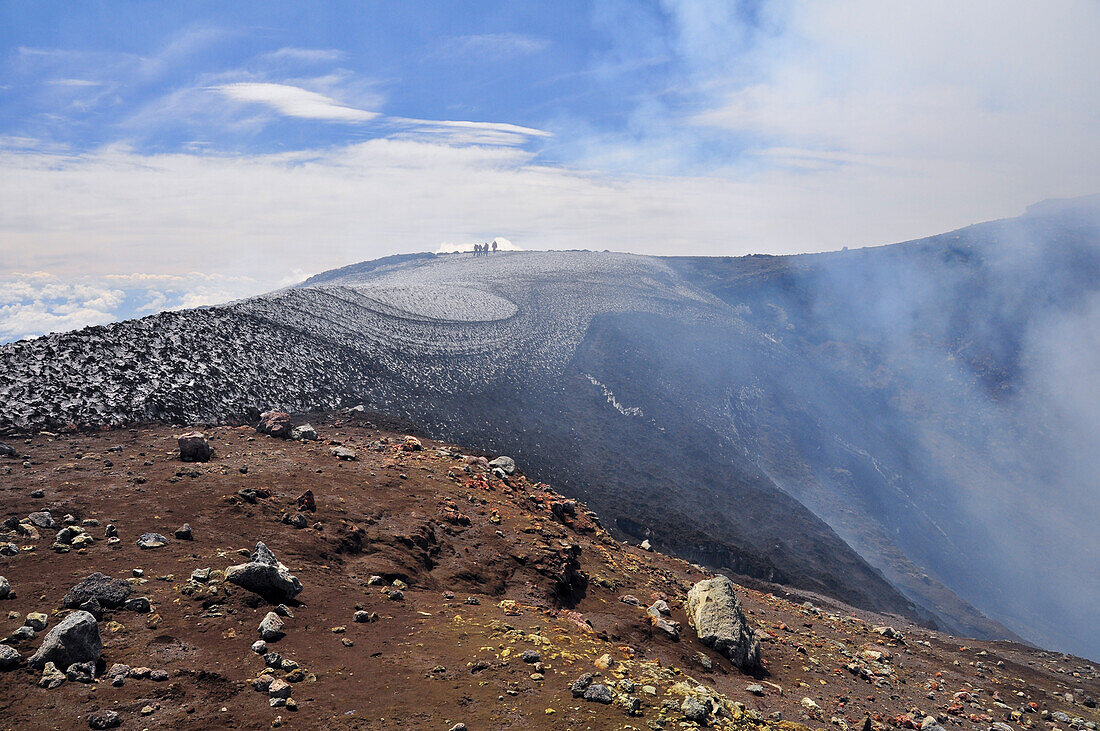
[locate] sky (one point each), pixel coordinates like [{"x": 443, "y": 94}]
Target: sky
[{"x": 160, "y": 154}]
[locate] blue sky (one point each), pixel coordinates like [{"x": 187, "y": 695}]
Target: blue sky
[{"x": 161, "y": 154}]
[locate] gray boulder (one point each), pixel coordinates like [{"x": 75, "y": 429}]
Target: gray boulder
[
  {"x": 42, "y": 519},
  {"x": 696, "y": 709},
  {"x": 110, "y": 593},
  {"x": 104, "y": 720},
  {"x": 714, "y": 611},
  {"x": 343, "y": 453},
  {"x": 152, "y": 540},
  {"x": 5, "y": 588},
  {"x": 271, "y": 628},
  {"x": 265, "y": 575},
  {"x": 507, "y": 464},
  {"x": 75, "y": 639},
  {"x": 9, "y": 657},
  {"x": 6, "y": 450},
  {"x": 305, "y": 433},
  {"x": 194, "y": 447}
]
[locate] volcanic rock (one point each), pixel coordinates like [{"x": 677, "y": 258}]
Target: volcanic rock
[
  {"x": 42, "y": 519},
  {"x": 9, "y": 657},
  {"x": 343, "y": 453},
  {"x": 152, "y": 540},
  {"x": 714, "y": 611},
  {"x": 304, "y": 433},
  {"x": 75, "y": 639},
  {"x": 275, "y": 423},
  {"x": 265, "y": 575},
  {"x": 194, "y": 447},
  {"x": 110, "y": 593}
]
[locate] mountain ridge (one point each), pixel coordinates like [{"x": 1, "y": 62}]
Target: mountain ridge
[{"x": 755, "y": 377}]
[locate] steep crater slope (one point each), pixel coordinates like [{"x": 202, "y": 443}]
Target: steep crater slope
[
  {"x": 497, "y": 374},
  {"x": 688, "y": 400}
]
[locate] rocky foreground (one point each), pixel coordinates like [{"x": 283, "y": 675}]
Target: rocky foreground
[{"x": 351, "y": 575}]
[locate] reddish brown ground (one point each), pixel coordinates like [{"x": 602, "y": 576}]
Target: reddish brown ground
[{"x": 412, "y": 668}]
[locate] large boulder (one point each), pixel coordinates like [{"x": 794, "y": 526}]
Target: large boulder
[
  {"x": 75, "y": 639},
  {"x": 714, "y": 610},
  {"x": 275, "y": 423},
  {"x": 507, "y": 464},
  {"x": 194, "y": 447},
  {"x": 110, "y": 593},
  {"x": 265, "y": 575}
]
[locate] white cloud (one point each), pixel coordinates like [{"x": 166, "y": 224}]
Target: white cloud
[
  {"x": 467, "y": 133},
  {"x": 294, "y": 101},
  {"x": 494, "y": 45},
  {"x": 263, "y": 215},
  {"x": 874, "y": 94},
  {"x": 37, "y": 303},
  {"x": 74, "y": 82},
  {"x": 305, "y": 55}
]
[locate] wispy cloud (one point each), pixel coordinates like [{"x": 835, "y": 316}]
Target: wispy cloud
[
  {"x": 294, "y": 101},
  {"x": 467, "y": 133},
  {"x": 304, "y": 55},
  {"x": 494, "y": 45},
  {"x": 74, "y": 82}
]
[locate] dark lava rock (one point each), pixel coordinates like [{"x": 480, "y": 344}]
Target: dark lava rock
[
  {"x": 194, "y": 447},
  {"x": 184, "y": 533},
  {"x": 110, "y": 593},
  {"x": 597, "y": 693},
  {"x": 104, "y": 719},
  {"x": 580, "y": 685},
  {"x": 275, "y": 423}
]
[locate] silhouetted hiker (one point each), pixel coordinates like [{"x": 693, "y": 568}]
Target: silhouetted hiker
[
  {"x": 494, "y": 246},
  {"x": 477, "y": 249}
]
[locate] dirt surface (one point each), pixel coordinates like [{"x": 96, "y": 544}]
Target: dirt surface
[{"x": 493, "y": 568}]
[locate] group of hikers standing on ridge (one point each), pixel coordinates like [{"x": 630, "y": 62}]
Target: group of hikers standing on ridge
[{"x": 484, "y": 249}]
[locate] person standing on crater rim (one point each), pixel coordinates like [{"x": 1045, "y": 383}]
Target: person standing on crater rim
[{"x": 494, "y": 246}]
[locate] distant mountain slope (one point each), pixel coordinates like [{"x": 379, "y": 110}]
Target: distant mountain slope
[{"x": 723, "y": 408}]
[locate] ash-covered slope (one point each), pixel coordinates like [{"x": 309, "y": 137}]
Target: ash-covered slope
[
  {"x": 704, "y": 404},
  {"x": 484, "y": 350}
]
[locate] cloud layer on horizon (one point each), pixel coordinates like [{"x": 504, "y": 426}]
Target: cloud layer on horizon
[{"x": 672, "y": 127}]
